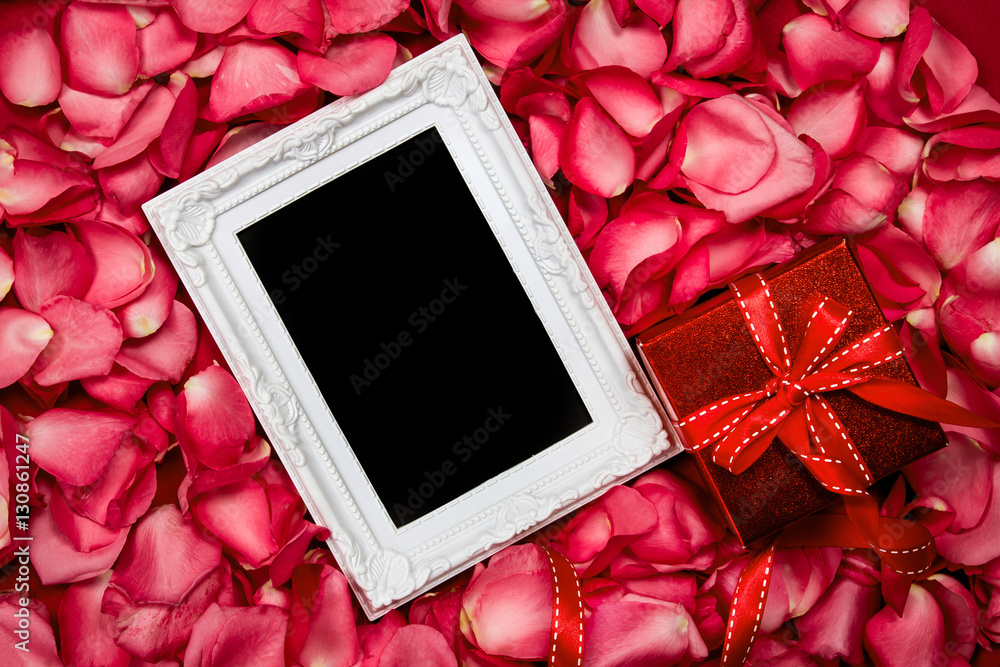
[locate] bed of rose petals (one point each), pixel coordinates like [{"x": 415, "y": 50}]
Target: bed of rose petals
[{"x": 686, "y": 142}]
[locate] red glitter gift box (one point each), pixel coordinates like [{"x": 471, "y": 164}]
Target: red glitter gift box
[{"x": 708, "y": 354}]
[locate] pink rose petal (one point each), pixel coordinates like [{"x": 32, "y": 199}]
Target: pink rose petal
[
  {"x": 75, "y": 446},
  {"x": 509, "y": 607},
  {"x": 817, "y": 53},
  {"x": 6, "y": 273},
  {"x": 166, "y": 557},
  {"x": 833, "y": 115},
  {"x": 596, "y": 154},
  {"x": 418, "y": 646},
  {"x": 122, "y": 263},
  {"x": 353, "y": 64},
  {"x": 144, "y": 315},
  {"x": 165, "y": 354},
  {"x": 637, "y": 630},
  {"x": 892, "y": 640},
  {"x": 164, "y": 43},
  {"x": 271, "y": 68},
  {"x": 211, "y": 18},
  {"x": 960, "y": 218},
  {"x": 238, "y": 636},
  {"x": 353, "y": 16},
  {"x": 99, "y": 44},
  {"x": 218, "y": 421},
  {"x": 878, "y": 18},
  {"x": 86, "y": 635},
  {"x": 626, "y": 96},
  {"x": 85, "y": 342},
  {"x": 896, "y": 149},
  {"x": 329, "y": 635},
  {"x": 599, "y": 41},
  {"x": 934, "y": 62},
  {"x": 274, "y": 17},
  {"x": 145, "y": 124},
  {"x": 57, "y": 561},
  {"x": 167, "y": 152},
  {"x": 238, "y": 514},
  {"x": 99, "y": 117},
  {"x": 30, "y": 73},
  {"x": 783, "y": 165},
  {"x": 23, "y": 336}
]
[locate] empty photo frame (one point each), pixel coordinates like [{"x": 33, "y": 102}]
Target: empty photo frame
[{"x": 413, "y": 326}]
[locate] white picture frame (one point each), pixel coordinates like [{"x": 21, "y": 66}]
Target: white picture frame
[{"x": 198, "y": 222}]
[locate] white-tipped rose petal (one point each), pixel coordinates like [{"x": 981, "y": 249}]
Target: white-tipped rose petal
[
  {"x": 30, "y": 73},
  {"x": 817, "y": 53},
  {"x": 833, "y": 114},
  {"x": 878, "y": 18},
  {"x": 218, "y": 420},
  {"x": 352, "y": 64},
  {"x": 165, "y": 354},
  {"x": 98, "y": 42},
  {"x": 596, "y": 153},
  {"x": 23, "y": 335},
  {"x": 145, "y": 315},
  {"x": 86, "y": 340},
  {"x": 75, "y": 446}
]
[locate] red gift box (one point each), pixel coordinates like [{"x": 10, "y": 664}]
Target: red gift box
[{"x": 708, "y": 354}]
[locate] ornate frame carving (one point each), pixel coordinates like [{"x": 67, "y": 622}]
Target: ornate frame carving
[{"x": 197, "y": 222}]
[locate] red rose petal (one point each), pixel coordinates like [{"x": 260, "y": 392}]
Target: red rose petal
[
  {"x": 353, "y": 64},
  {"x": 418, "y": 646},
  {"x": 47, "y": 265},
  {"x": 165, "y": 354},
  {"x": 29, "y": 186},
  {"x": 145, "y": 124},
  {"x": 547, "y": 133},
  {"x": 167, "y": 152},
  {"x": 98, "y": 42},
  {"x": 85, "y": 534},
  {"x": 30, "y": 73},
  {"x": 596, "y": 153},
  {"x": 238, "y": 636},
  {"x": 961, "y": 475},
  {"x": 817, "y": 53},
  {"x": 958, "y": 219},
  {"x": 23, "y": 336},
  {"x": 75, "y": 446},
  {"x": 86, "y": 340}
]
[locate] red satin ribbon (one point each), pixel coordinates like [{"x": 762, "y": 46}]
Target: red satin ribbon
[
  {"x": 791, "y": 407},
  {"x": 567, "y": 612}
]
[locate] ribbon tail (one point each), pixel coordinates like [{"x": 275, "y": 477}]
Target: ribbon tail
[
  {"x": 903, "y": 544},
  {"x": 911, "y": 400},
  {"x": 747, "y": 608},
  {"x": 566, "y": 648}
]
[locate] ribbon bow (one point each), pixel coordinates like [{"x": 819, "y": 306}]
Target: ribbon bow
[{"x": 791, "y": 405}]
